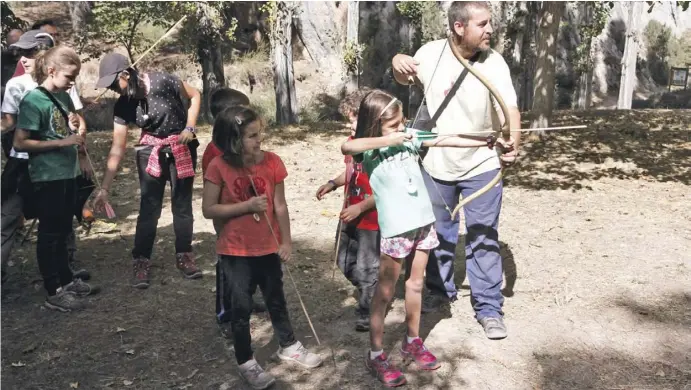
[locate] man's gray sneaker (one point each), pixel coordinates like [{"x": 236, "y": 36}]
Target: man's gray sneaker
[
  {"x": 64, "y": 301},
  {"x": 255, "y": 375},
  {"x": 494, "y": 328},
  {"x": 82, "y": 289}
]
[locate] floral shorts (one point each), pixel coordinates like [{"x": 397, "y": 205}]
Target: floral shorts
[{"x": 401, "y": 246}]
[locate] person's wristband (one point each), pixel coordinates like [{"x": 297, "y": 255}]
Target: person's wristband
[
  {"x": 333, "y": 183},
  {"x": 191, "y": 129}
]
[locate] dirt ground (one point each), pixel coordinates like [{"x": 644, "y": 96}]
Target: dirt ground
[{"x": 595, "y": 232}]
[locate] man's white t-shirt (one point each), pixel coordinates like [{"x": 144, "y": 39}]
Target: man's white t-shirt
[
  {"x": 470, "y": 110},
  {"x": 16, "y": 89}
]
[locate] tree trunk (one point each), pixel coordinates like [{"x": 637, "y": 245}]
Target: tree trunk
[
  {"x": 529, "y": 55},
  {"x": 209, "y": 54},
  {"x": 282, "y": 54},
  {"x": 628, "y": 60},
  {"x": 518, "y": 29},
  {"x": 352, "y": 28},
  {"x": 585, "y": 79},
  {"x": 543, "y": 102},
  {"x": 80, "y": 12},
  {"x": 211, "y": 61}
]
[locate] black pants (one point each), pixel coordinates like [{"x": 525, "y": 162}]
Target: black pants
[
  {"x": 244, "y": 274},
  {"x": 56, "y": 200},
  {"x": 152, "y": 189}
]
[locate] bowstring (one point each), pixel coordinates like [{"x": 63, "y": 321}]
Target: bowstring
[{"x": 417, "y": 115}]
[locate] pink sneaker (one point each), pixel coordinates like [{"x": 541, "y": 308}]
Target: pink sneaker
[
  {"x": 416, "y": 351},
  {"x": 382, "y": 368}
]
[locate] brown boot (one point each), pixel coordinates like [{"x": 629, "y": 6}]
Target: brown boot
[
  {"x": 141, "y": 268},
  {"x": 186, "y": 265}
]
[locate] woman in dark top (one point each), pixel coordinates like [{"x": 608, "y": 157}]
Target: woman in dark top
[{"x": 167, "y": 151}]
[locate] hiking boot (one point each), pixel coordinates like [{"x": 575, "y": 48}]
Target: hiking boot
[
  {"x": 64, "y": 301},
  {"x": 141, "y": 267},
  {"x": 186, "y": 265},
  {"x": 383, "y": 370},
  {"x": 81, "y": 289},
  {"x": 299, "y": 354},
  {"x": 432, "y": 302},
  {"x": 417, "y": 352},
  {"x": 494, "y": 328},
  {"x": 362, "y": 323},
  {"x": 255, "y": 375}
]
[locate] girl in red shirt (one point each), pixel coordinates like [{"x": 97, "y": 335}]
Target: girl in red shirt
[{"x": 244, "y": 187}]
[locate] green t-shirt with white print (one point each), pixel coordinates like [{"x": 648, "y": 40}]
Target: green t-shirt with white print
[
  {"x": 403, "y": 203},
  {"x": 43, "y": 120}
]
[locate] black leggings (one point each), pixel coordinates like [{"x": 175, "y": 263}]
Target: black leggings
[
  {"x": 243, "y": 275},
  {"x": 54, "y": 207}
]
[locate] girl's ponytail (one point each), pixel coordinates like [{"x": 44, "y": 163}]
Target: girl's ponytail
[{"x": 39, "y": 72}]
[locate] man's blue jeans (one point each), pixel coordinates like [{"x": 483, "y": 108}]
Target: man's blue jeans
[{"x": 483, "y": 260}]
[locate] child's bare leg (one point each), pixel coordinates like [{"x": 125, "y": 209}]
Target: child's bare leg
[
  {"x": 389, "y": 269},
  {"x": 413, "y": 291}
]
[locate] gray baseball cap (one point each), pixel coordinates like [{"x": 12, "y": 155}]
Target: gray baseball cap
[
  {"x": 110, "y": 66},
  {"x": 34, "y": 39}
]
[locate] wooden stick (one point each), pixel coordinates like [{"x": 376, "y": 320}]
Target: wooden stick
[
  {"x": 146, "y": 52},
  {"x": 290, "y": 276}
]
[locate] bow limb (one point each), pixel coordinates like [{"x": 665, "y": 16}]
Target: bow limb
[{"x": 505, "y": 127}]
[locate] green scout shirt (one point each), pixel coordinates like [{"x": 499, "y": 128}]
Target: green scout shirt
[
  {"x": 400, "y": 194},
  {"x": 39, "y": 116}
]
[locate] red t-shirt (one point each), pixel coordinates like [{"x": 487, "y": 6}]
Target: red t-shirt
[
  {"x": 19, "y": 70},
  {"x": 358, "y": 190},
  {"x": 210, "y": 153},
  {"x": 243, "y": 236}
]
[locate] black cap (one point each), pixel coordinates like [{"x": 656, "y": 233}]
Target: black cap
[
  {"x": 34, "y": 39},
  {"x": 111, "y": 65}
]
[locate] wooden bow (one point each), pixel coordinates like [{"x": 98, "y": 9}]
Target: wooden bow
[{"x": 505, "y": 130}]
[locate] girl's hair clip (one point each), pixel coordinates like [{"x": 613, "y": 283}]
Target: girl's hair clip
[{"x": 238, "y": 120}]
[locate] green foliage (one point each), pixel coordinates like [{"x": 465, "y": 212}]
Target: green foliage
[
  {"x": 352, "y": 56},
  {"x": 426, "y": 18},
  {"x": 665, "y": 50},
  {"x": 9, "y": 21},
  {"x": 126, "y": 23},
  {"x": 680, "y": 50},
  {"x": 587, "y": 32},
  {"x": 120, "y": 23}
]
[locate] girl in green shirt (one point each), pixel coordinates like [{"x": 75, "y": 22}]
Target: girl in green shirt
[{"x": 45, "y": 132}]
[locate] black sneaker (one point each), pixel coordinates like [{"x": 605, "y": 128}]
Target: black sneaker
[
  {"x": 141, "y": 267},
  {"x": 432, "y": 302},
  {"x": 362, "y": 323},
  {"x": 64, "y": 301},
  {"x": 82, "y": 289}
]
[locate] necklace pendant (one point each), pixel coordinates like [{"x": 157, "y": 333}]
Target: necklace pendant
[{"x": 412, "y": 189}]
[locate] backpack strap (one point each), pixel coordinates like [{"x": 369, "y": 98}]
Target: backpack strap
[{"x": 59, "y": 106}]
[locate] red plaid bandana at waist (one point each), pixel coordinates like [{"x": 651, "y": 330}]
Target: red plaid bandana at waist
[{"x": 181, "y": 153}]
